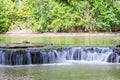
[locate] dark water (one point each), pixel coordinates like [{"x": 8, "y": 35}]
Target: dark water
[{"x": 71, "y": 71}]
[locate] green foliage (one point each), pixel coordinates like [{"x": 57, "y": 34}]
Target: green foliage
[
  {"x": 104, "y": 13},
  {"x": 59, "y": 15},
  {"x": 3, "y": 23},
  {"x": 41, "y": 15},
  {"x": 3, "y": 17}
]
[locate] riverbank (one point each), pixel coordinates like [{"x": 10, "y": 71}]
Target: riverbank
[
  {"x": 29, "y": 32},
  {"x": 64, "y": 34}
]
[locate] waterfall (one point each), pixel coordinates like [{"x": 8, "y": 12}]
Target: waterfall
[
  {"x": 29, "y": 57},
  {"x": 58, "y": 55}
]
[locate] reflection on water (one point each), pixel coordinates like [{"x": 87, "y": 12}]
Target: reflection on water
[
  {"x": 62, "y": 72},
  {"x": 64, "y": 40}
]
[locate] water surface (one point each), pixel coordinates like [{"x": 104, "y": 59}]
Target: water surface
[
  {"x": 86, "y": 40},
  {"x": 70, "y": 71},
  {"x": 62, "y": 72}
]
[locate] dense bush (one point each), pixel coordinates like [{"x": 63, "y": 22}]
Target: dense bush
[
  {"x": 3, "y": 17},
  {"x": 60, "y": 15}
]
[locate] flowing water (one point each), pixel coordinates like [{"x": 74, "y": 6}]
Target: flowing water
[
  {"x": 58, "y": 55},
  {"x": 74, "y": 71},
  {"x": 66, "y": 63}
]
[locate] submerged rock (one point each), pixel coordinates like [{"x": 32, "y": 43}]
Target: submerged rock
[{"x": 26, "y": 42}]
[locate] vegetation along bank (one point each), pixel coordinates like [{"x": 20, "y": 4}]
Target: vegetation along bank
[{"x": 60, "y": 15}]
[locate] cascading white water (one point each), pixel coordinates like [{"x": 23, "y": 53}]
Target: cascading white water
[
  {"x": 45, "y": 56},
  {"x": 28, "y": 57},
  {"x": 2, "y": 57},
  {"x": 90, "y": 54}
]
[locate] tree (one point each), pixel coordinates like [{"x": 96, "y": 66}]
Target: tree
[{"x": 3, "y": 17}]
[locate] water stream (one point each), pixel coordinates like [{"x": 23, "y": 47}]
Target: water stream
[
  {"x": 58, "y": 55},
  {"x": 63, "y": 63}
]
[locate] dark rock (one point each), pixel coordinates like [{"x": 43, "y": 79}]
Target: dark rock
[
  {"x": 26, "y": 42},
  {"x": 118, "y": 45},
  {"x": 118, "y": 51},
  {"x": 112, "y": 58}
]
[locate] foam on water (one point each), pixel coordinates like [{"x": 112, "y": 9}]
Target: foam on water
[{"x": 59, "y": 56}]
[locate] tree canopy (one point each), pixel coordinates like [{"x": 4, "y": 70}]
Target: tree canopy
[{"x": 60, "y": 15}]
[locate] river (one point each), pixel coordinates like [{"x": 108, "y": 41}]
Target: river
[{"x": 71, "y": 70}]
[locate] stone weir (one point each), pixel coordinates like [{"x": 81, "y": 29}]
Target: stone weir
[{"x": 28, "y": 56}]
